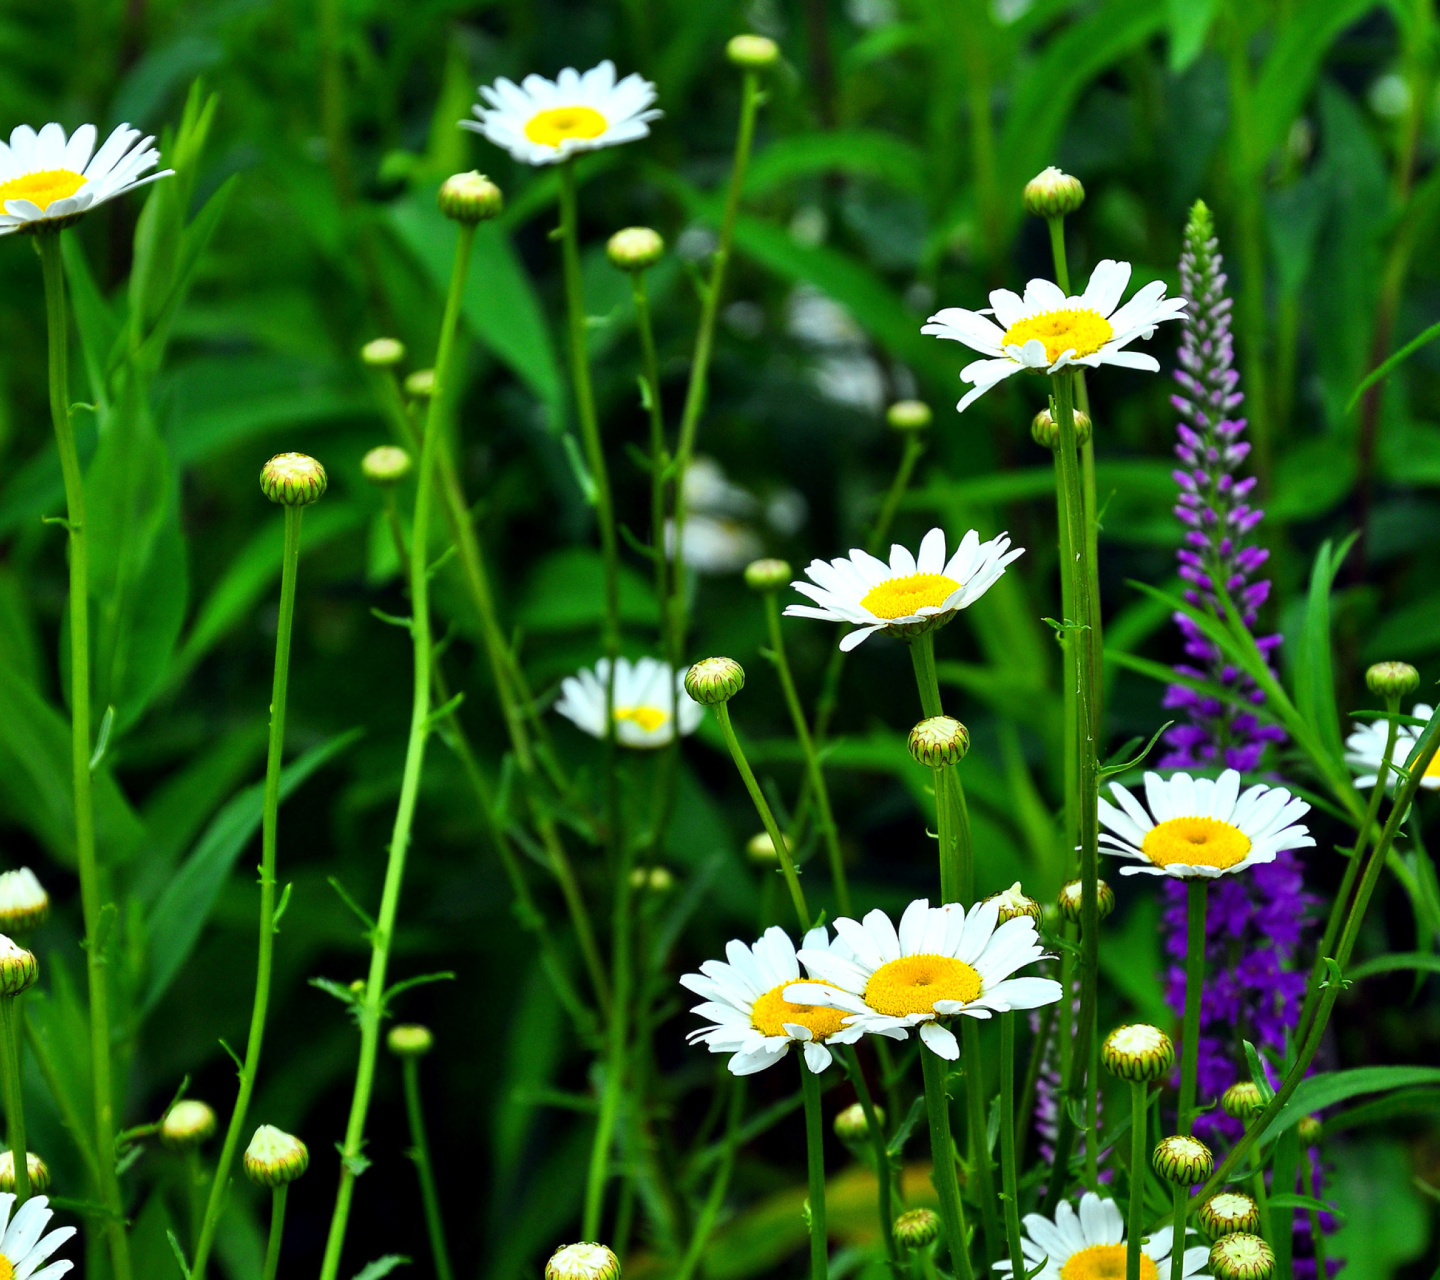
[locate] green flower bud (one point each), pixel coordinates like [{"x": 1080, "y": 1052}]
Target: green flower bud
[
  {"x": 634, "y": 248},
  {"x": 583, "y": 1262},
  {"x": 1053, "y": 194},
  {"x": 1071, "y": 898},
  {"x": 1045, "y": 431},
  {"x": 470, "y": 197},
  {"x": 1242, "y": 1100},
  {"x": 409, "y": 1040},
  {"x": 1311, "y": 1131},
  {"x": 767, "y": 575},
  {"x": 24, "y": 904},
  {"x": 1013, "y": 903},
  {"x": 712, "y": 681},
  {"x": 754, "y": 53},
  {"x": 187, "y": 1124},
  {"x": 18, "y": 967},
  {"x": 761, "y": 849},
  {"x": 293, "y": 480},
  {"x": 655, "y": 880},
  {"x": 1242, "y": 1256},
  {"x": 1392, "y": 679},
  {"x": 38, "y": 1170},
  {"x": 1137, "y": 1052},
  {"x": 1227, "y": 1212},
  {"x": 909, "y": 415},
  {"x": 383, "y": 353},
  {"x": 850, "y": 1124},
  {"x": 421, "y": 384},
  {"x": 938, "y": 742},
  {"x": 274, "y": 1157},
  {"x": 917, "y": 1228},
  {"x": 386, "y": 464},
  {"x": 1182, "y": 1161}
]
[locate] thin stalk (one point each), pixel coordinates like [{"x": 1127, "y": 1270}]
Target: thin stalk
[
  {"x": 815, "y": 1163},
  {"x": 264, "y": 962},
  {"x": 194, "y": 1191},
  {"x": 957, "y": 855},
  {"x": 424, "y": 1170},
  {"x": 914, "y": 447},
  {"x": 1197, "y": 898},
  {"x": 942, "y": 1154},
  {"x": 762, "y": 807},
  {"x": 14, "y": 1098},
  {"x": 277, "y": 1231},
  {"x": 1139, "y": 1135},
  {"x": 1032, "y": 1076},
  {"x": 371, "y": 1008},
  {"x": 1317, "y": 1231},
  {"x": 99, "y": 916},
  {"x": 69, "y": 1117},
  {"x": 1284, "y": 1172},
  {"x": 1179, "y": 1199},
  {"x": 979, "y": 1134},
  {"x": 881, "y": 1153},
  {"x": 710, "y": 1211},
  {"x": 813, "y": 770},
  {"x": 1009, "y": 1177}
]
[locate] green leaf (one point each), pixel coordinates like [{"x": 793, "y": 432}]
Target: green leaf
[
  {"x": 95, "y": 319},
  {"x": 382, "y": 1267},
  {"x": 1425, "y": 961},
  {"x": 1314, "y": 677},
  {"x": 565, "y": 592},
  {"x": 1320, "y": 1091},
  {"x": 861, "y": 153},
  {"x": 1383, "y": 370},
  {"x": 1189, "y": 25}
]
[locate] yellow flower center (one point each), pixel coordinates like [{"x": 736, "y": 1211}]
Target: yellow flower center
[
  {"x": 902, "y": 597},
  {"x": 551, "y": 128},
  {"x": 648, "y": 718},
  {"x": 1196, "y": 842},
  {"x": 1432, "y": 770},
  {"x": 912, "y": 984},
  {"x": 770, "y": 1013},
  {"x": 42, "y": 190},
  {"x": 1082, "y": 330},
  {"x": 1104, "y": 1262}
]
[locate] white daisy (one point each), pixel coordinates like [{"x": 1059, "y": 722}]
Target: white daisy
[
  {"x": 541, "y": 121},
  {"x": 1090, "y": 1245},
  {"x": 23, "y": 1245},
  {"x": 1200, "y": 826},
  {"x": 643, "y": 702},
  {"x": 908, "y": 596},
  {"x": 1365, "y": 748},
  {"x": 943, "y": 961},
  {"x": 1045, "y": 331},
  {"x": 751, "y": 1014},
  {"x": 46, "y": 182}
]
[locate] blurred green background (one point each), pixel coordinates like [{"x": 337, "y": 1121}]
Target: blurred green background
[{"x": 886, "y": 183}]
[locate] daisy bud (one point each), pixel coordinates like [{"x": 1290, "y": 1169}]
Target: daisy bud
[
  {"x": 761, "y": 849},
  {"x": 386, "y": 464},
  {"x": 939, "y": 741},
  {"x": 1053, "y": 194},
  {"x": 39, "y": 1172},
  {"x": 634, "y": 248},
  {"x": 1045, "y": 431},
  {"x": 712, "y": 681},
  {"x": 767, "y": 575},
  {"x": 754, "y": 53},
  {"x": 1184, "y": 1162},
  {"x": 1242, "y": 1256},
  {"x": 1137, "y": 1052},
  {"x": 655, "y": 880},
  {"x": 470, "y": 197},
  {"x": 850, "y": 1124},
  {"x": 908, "y": 415},
  {"x": 383, "y": 353},
  {"x": 274, "y": 1157},
  {"x": 18, "y": 967},
  {"x": 1227, "y": 1212},
  {"x": 917, "y": 1228},
  {"x": 24, "y": 904},
  {"x": 583, "y": 1262},
  {"x": 1013, "y": 903},
  {"x": 1242, "y": 1100},
  {"x": 1311, "y": 1131},
  {"x": 410, "y": 1040},
  {"x": 1071, "y": 895},
  {"x": 187, "y": 1124},
  {"x": 421, "y": 384},
  {"x": 293, "y": 480},
  {"x": 1392, "y": 679}
]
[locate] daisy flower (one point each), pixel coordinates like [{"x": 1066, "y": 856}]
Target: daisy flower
[
  {"x": 1201, "y": 827},
  {"x": 1045, "y": 331},
  {"x": 542, "y": 121},
  {"x": 752, "y": 1016},
  {"x": 1090, "y": 1245},
  {"x": 908, "y": 596},
  {"x": 643, "y": 702},
  {"x": 23, "y": 1245},
  {"x": 1365, "y": 748},
  {"x": 47, "y": 182},
  {"x": 943, "y": 961}
]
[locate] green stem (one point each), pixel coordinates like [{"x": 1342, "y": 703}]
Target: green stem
[
  {"x": 64, "y": 1104},
  {"x": 14, "y": 1098},
  {"x": 875, "y": 1131},
  {"x": 1057, "y": 252},
  {"x": 952, "y": 817},
  {"x": 219, "y": 1188},
  {"x": 762, "y": 807},
  {"x": 1317, "y": 1231},
  {"x": 979, "y": 1136},
  {"x": 420, "y": 1154},
  {"x": 942, "y": 1154},
  {"x": 1282, "y": 1183},
  {"x": 1196, "y": 901},
  {"x": 914, "y": 447},
  {"x": 1032, "y": 1075},
  {"x": 99, "y": 916},
  {"x": 1179, "y": 1198},
  {"x": 277, "y": 1231},
  {"x": 710, "y": 1211},
  {"x": 371, "y": 1008},
  {"x": 194, "y": 1191},
  {"x": 1139, "y": 1134},
  {"x": 1009, "y": 1177},
  {"x": 815, "y": 1162},
  {"x": 814, "y": 772}
]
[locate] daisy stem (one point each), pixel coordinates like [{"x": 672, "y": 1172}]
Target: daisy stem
[
  {"x": 979, "y": 1135},
  {"x": 1139, "y": 1142},
  {"x": 99, "y": 916},
  {"x": 883, "y": 1171},
  {"x": 373, "y": 1000},
  {"x": 914, "y": 447},
  {"x": 1197, "y": 900},
  {"x": 710, "y": 1211},
  {"x": 815, "y": 1161},
  {"x": 219, "y": 1188},
  {"x": 1180, "y": 1197},
  {"x": 942, "y": 1155},
  {"x": 813, "y": 770},
  {"x": 1009, "y": 1176},
  {"x": 14, "y": 1099},
  {"x": 762, "y": 807},
  {"x": 277, "y": 1231},
  {"x": 424, "y": 1170},
  {"x": 952, "y": 816}
]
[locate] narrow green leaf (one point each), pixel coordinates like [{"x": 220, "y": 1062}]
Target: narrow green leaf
[{"x": 1325, "y": 1090}]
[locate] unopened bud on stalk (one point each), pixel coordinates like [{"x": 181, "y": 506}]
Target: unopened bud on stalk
[
  {"x": 1013, "y": 902},
  {"x": 634, "y": 248},
  {"x": 383, "y": 353},
  {"x": 38, "y": 1170},
  {"x": 421, "y": 384},
  {"x": 1311, "y": 1131},
  {"x": 1392, "y": 679},
  {"x": 909, "y": 415},
  {"x": 712, "y": 681},
  {"x": 1242, "y": 1256},
  {"x": 1138, "y": 1052},
  {"x": 470, "y": 197},
  {"x": 1185, "y": 1162},
  {"x": 24, "y": 904},
  {"x": 761, "y": 849},
  {"x": 583, "y": 1262},
  {"x": 1242, "y": 1100},
  {"x": 187, "y": 1124},
  {"x": 293, "y": 480},
  {"x": 1071, "y": 897},
  {"x": 18, "y": 967},
  {"x": 938, "y": 742},
  {"x": 1052, "y": 193},
  {"x": 274, "y": 1157},
  {"x": 754, "y": 53},
  {"x": 386, "y": 464},
  {"x": 1045, "y": 431},
  {"x": 652, "y": 879},
  {"x": 1227, "y": 1212},
  {"x": 850, "y": 1124},
  {"x": 917, "y": 1228},
  {"x": 410, "y": 1040},
  {"x": 767, "y": 575}
]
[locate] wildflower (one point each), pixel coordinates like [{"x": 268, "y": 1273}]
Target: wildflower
[
  {"x": 1242, "y": 1100},
  {"x": 646, "y": 693},
  {"x": 634, "y": 248},
  {"x": 24, "y": 904},
  {"x": 851, "y": 1125},
  {"x": 187, "y": 1124},
  {"x": 1365, "y": 748},
  {"x": 383, "y": 353},
  {"x": 908, "y": 415},
  {"x": 1071, "y": 899},
  {"x": 386, "y": 464},
  {"x": 1137, "y": 1052},
  {"x": 1090, "y": 1245},
  {"x": 38, "y": 1170},
  {"x": 275, "y": 1157},
  {"x": 470, "y": 198},
  {"x": 714, "y": 680},
  {"x": 1053, "y": 193},
  {"x": 917, "y": 1228},
  {"x": 23, "y": 1247},
  {"x": 1013, "y": 902},
  {"x": 752, "y": 52},
  {"x": 583, "y": 1262},
  {"x": 1227, "y": 1212},
  {"x": 18, "y": 968},
  {"x": 410, "y": 1040},
  {"x": 1183, "y": 1161},
  {"x": 939, "y": 741},
  {"x": 1242, "y": 1256},
  {"x": 293, "y": 480}
]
